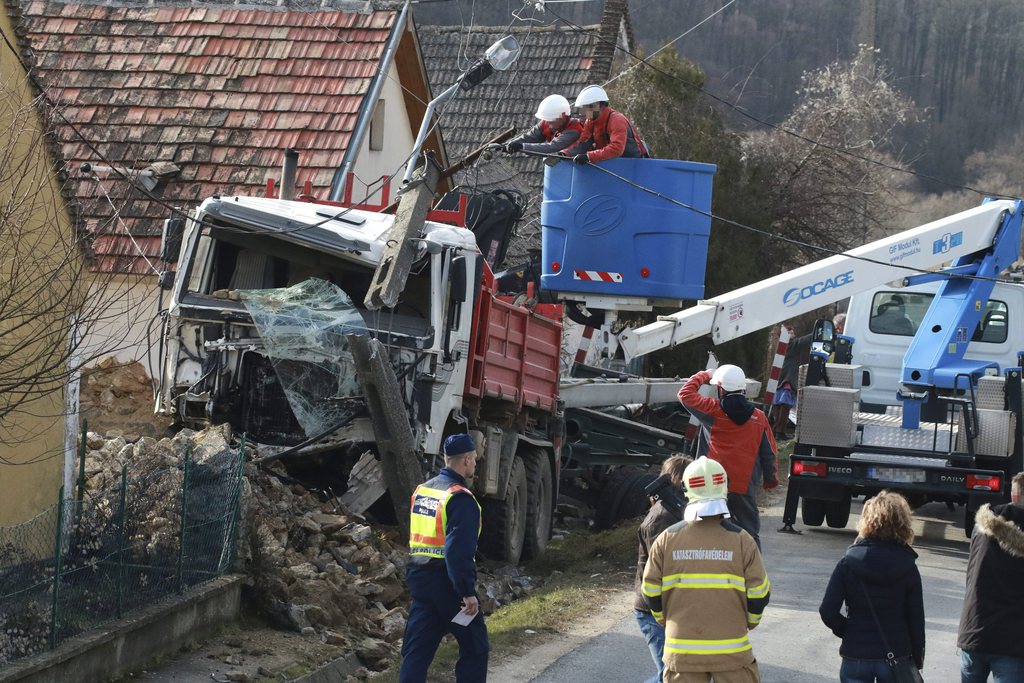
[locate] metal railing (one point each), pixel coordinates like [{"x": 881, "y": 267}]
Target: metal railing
[{"x": 99, "y": 555}]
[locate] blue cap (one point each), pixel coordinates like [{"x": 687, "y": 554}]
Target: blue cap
[{"x": 458, "y": 444}]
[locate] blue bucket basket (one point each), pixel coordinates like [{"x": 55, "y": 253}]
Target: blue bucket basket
[{"x": 605, "y": 237}]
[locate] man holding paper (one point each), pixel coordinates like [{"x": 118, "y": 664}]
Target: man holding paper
[{"x": 443, "y": 531}]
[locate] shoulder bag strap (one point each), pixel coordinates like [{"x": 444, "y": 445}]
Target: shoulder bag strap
[{"x": 878, "y": 624}]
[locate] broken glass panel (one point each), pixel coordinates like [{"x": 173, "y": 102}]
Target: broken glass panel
[{"x": 303, "y": 328}]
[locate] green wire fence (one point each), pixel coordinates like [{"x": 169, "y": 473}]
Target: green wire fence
[{"x": 98, "y": 555}]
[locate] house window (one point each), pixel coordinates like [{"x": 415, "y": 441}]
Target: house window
[{"x": 377, "y": 128}]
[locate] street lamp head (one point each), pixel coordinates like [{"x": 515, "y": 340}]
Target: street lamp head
[
  {"x": 499, "y": 57},
  {"x": 503, "y": 54}
]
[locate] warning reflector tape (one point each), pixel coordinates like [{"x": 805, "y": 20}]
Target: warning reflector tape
[{"x": 596, "y": 276}]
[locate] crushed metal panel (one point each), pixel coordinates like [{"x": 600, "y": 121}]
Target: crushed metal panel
[
  {"x": 303, "y": 329},
  {"x": 365, "y": 484}
]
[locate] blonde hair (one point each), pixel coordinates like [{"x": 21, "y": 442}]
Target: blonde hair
[
  {"x": 675, "y": 466},
  {"x": 886, "y": 517}
]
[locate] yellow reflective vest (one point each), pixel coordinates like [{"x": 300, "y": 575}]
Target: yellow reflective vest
[{"x": 428, "y": 516}]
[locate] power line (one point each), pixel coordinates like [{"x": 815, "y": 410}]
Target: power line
[
  {"x": 774, "y": 126},
  {"x": 768, "y": 234}
]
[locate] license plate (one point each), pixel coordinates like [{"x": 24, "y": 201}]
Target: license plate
[{"x": 894, "y": 474}]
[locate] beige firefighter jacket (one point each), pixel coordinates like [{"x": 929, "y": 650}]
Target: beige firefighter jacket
[{"x": 706, "y": 582}]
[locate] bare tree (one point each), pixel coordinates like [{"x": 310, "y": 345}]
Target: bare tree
[
  {"x": 834, "y": 186},
  {"x": 51, "y": 300}
]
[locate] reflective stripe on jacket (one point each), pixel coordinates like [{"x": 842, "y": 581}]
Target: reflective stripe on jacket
[
  {"x": 428, "y": 516},
  {"x": 706, "y": 582}
]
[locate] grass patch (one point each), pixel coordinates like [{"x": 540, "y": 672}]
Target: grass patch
[{"x": 568, "y": 597}]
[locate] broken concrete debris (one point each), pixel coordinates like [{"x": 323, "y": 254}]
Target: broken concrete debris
[{"x": 312, "y": 566}]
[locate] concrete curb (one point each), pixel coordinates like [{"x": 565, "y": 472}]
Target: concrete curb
[{"x": 131, "y": 642}]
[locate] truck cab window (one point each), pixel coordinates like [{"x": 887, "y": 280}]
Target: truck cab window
[{"x": 900, "y": 314}]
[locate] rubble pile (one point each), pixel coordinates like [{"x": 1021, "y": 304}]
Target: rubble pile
[
  {"x": 311, "y": 566},
  {"x": 117, "y": 395}
]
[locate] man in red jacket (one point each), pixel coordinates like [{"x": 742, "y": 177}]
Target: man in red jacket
[
  {"x": 740, "y": 438},
  {"x": 607, "y": 134}
]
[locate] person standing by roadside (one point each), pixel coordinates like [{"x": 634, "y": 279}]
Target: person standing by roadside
[
  {"x": 880, "y": 584},
  {"x": 740, "y": 438},
  {"x": 993, "y": 616},
  {"x": 705, "y": 581},
  {"x": 444, "y": 526},
  {"x": 663, "y": 514}
]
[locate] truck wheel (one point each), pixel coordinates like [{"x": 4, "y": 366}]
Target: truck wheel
[
  {"x": 538, "y": 504},
  {"x": 622, "y": 496},
  {"x": 837, "y": 513},
  {"x": 812, "y": 511},
  {"x": 505, "y": 520}
]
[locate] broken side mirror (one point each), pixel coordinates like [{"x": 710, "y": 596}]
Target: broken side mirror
[
  {"x": 458, "y": 279},
  {"x": 170, "y": 239}
]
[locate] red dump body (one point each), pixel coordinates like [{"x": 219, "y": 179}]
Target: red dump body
[{"x": 514, "y": 352}]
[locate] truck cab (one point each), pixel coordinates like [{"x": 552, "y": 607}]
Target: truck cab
[{"x": 884, "y": 320}]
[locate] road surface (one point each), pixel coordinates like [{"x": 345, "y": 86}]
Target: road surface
[{"x": 791, "y": 644}]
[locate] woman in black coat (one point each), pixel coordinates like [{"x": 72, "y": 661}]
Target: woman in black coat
[{"x": 881, "y": 566}]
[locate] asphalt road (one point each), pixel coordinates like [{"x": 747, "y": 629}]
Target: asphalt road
[{"x": 791, "y": 644}]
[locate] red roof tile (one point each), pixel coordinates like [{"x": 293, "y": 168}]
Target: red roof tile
[{"x": 218, "y": 91}]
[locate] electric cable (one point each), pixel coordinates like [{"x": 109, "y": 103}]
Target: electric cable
[
  {"x": 782, "y": 129},
  {"x": 769, "y": 234}
]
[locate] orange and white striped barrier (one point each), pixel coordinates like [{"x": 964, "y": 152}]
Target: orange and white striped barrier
[{"x": 780, "y": 358}]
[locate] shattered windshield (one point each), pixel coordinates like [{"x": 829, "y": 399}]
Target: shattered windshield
[{"x": 303, "y": 328}]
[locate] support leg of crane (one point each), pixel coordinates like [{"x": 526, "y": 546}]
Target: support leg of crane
[{"x": 789, "y": 513}]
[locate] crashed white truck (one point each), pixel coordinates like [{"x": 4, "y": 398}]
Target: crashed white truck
[{"x": 353, "y": 341}]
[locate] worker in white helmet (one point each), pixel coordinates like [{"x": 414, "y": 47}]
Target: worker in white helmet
[
  {"x": 556, "y": 129},
  {"x": 705, "y": 582},
  {"x": 607, "y": 134},
  {"x": 738, "y": 435}
]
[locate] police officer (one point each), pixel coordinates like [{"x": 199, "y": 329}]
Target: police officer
[{"x": 443, "y": 531}]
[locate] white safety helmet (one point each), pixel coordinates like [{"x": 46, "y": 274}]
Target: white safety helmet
[
  {"x": 730, "y": 378},
  {"x": 592, "y": 94},
  {"x": 552, "y": 108}
]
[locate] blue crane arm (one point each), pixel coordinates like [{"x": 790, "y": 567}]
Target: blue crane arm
[{"x": 935, "y": 358}]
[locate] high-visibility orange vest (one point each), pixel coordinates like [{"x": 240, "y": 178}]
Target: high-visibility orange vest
[{"x": 428, "y": 517}]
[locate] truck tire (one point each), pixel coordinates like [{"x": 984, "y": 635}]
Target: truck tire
[
  {"x": 504, "y": 521},
  {"x": 622, "y": 496},
  {"x": 812, "y": 511},
  {"x": 837, "y": 513},
  {"x": 538, "y": 503}
]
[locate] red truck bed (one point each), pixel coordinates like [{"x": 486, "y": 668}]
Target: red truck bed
[{"x": 514, "y": 351}]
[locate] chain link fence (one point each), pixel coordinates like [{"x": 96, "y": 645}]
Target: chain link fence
[{"x": 96, "y": 557}]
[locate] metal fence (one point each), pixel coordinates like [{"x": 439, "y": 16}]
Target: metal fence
[{"x": 99, "y": 555}]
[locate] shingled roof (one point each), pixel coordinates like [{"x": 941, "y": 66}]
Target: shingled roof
[
  {"x": 554, "y": 59},
  {"x": 218, "y": 90}
]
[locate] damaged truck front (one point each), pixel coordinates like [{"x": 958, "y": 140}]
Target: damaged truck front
[{"x": 267, "y": 330}]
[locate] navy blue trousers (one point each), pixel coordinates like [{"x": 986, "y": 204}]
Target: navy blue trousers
[{"x": 434, "y": 603}]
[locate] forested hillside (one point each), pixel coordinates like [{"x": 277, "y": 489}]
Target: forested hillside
[{"x": 958, "y": 60}]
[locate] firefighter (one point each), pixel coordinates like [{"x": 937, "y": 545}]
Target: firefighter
[
  {"x": 607, "y": 134},
  {"x": 556, "y": 130},
  {"x": 706, "y": 584},
  {"x": 443, "y": 530},
  {"x": 741, "y": 439}
]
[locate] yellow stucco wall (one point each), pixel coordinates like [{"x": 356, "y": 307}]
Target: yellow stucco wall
[{"x": 34, "y": 241}]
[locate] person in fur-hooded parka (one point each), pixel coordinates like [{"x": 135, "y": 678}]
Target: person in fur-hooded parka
[{"x": 993, "y": 613}]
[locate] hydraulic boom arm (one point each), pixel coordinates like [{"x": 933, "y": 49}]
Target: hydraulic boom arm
[{"x": 751, "y": 308}]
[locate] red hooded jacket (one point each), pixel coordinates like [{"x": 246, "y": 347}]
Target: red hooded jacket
[{"x": 740, "y": 433}]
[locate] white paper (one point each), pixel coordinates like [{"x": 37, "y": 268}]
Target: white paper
[{"x": 463, "y": 618}]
